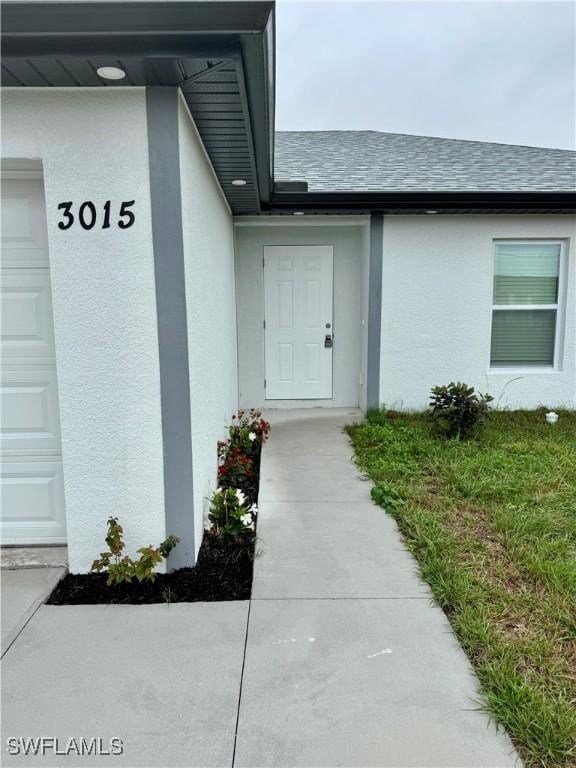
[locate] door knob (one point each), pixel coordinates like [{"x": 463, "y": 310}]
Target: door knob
[{"x": 328, "y": 341}]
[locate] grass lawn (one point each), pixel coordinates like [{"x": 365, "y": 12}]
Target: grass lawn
[{"x": 492, "y": 523}]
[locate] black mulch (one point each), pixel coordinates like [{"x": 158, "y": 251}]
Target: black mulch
[{"x": 223, "y": 572}]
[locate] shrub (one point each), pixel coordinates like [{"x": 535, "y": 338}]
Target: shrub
[
  {"x": 235, "y": 468},
  {"x": 239, "y": 455},
  {"x": 457, "y": 410},
  {"x": 124, "y": 568},
  {"x": 248, "y": 430},
  {"x": 386, "y": 497},
  {"x": 230, "y": 515}
]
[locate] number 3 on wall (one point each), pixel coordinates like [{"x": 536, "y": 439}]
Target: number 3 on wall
[{"x": 88, "y": 215}]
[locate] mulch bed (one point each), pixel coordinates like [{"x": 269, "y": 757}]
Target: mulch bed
[{"x": 223, "y": 572}]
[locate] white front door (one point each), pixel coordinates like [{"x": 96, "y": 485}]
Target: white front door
[
  {"x": 32, "y": 490},
  {"x": 298, "y": 321}
]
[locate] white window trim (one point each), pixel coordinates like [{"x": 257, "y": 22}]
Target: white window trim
[{"x": 560, "y": 308}]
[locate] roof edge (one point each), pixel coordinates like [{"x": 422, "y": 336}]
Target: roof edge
[
  {"x": 526, "y": 202},
  {"x": 32, "y": 18}
]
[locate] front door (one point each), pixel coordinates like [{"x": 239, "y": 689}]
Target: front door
[{"x": 298, "y": 322}]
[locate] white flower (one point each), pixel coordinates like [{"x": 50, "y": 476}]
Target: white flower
[
  {"x": 246, "y": 519},
  {"x": 252, "y": 436},
  {"x": 218, "y": 491},
  {"x": 254, "y": 509},
  {"x": 240, "y": 496}
]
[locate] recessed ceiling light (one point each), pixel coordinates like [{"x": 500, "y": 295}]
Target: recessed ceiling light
[
  {"x": 431, "y": 211},
  {"x": 239, "y": 183},
  {"x": 111, "y": 73},
  {"x": 298, "y": 213}
]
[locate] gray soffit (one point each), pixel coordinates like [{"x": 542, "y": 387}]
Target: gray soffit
[{"x": 219, "y": 53}]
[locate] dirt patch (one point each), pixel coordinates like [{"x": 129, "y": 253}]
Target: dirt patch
[{"x": 223, "y": 572}]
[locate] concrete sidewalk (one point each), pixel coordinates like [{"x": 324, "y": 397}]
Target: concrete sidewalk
[
  {"x": 339, "y": 659},
  {"x": 23, "y": 591},
  {"x": 348, "y": 662}
]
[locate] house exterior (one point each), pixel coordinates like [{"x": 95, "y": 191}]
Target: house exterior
[{"x": 167, "y": 258}]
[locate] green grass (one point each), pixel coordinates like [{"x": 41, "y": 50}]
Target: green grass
[{"x": 492, "y": 523}]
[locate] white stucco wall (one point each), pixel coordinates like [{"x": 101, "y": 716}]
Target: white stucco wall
[
  {"x": 211, "y": 309},
  {"x": 93, "y": 146},
  {"x": 436, "y": 309},
  {"x": 349, "y": 262}
]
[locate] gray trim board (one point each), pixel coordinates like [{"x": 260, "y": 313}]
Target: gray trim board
[
  {"x": 168, "y": 243},
  {"x": 374, "y": 310}
]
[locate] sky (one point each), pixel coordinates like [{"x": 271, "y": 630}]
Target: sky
[{"x": 490, "y": 71}]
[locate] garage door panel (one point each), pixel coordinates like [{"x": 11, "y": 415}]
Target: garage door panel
[
  {"x": 31, "y": 483},
  {"x": 32, "y": 502},
  {"x": 27, "y": 328},
  {"x": 23, "y": 223},
  {"x": 30, "y": 417}
]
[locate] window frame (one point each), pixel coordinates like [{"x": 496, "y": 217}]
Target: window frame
[{"x": 559, "y": 307}]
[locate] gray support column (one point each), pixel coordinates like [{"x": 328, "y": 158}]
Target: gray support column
[
  {"x": 374, "y": 310},
  {"x": 166, "y": 201}
]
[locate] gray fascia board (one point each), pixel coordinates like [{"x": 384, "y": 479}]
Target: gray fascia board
[
  {"x": 524, "y": 202},
  {"x": 259, "y": 66},
  {"x": 162, "y": 17}
]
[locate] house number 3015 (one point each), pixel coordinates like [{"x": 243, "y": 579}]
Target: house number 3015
[{"x": 88, "y": 216}]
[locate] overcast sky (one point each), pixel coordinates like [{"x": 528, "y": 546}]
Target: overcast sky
[{"x": 492, "y": 71}]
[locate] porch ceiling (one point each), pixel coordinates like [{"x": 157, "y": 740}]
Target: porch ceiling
[{"x": 218, "y": 53}]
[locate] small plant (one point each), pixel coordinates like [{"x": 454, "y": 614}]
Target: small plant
[
  {"x": 248, "y": 430},
  {"x": 124, "y": 568},
  {"x": 385, "y": 497},
  {"x": 230, "y": 515},
  {"x": 458, "y": 411},
  {"x": 239, "y": 455},
  {"x": 234, "y": 467}
]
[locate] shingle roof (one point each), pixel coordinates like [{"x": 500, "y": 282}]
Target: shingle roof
[{"x": 343, "y": 161}]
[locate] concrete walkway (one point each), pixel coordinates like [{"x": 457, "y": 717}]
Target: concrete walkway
[
  {"x": 340, "y": 659},
  {"x": 348, "y": 663},
  {"x": 23, "y": 590}
]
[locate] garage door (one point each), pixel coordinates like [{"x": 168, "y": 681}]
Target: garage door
[{"x": 31, "y": 479}]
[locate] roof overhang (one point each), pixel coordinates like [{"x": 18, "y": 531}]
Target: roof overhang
[
  {"x": 220, "y": 53},
  {"x": 422, "y": 202}
]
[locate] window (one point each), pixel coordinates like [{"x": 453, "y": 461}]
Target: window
[{"x": 525, "y": 311}]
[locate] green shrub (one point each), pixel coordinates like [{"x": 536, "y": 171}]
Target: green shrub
[
  {"x": 230, "y": 515},
  {"x": 385, "y": 496},
  {"x": 123, "y": 568},
  {"x": 248, "y": 430},
  {"x": 458, "y": 411}
]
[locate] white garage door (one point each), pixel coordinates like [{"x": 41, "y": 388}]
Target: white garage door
[{"x": 31, "y": 481}]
